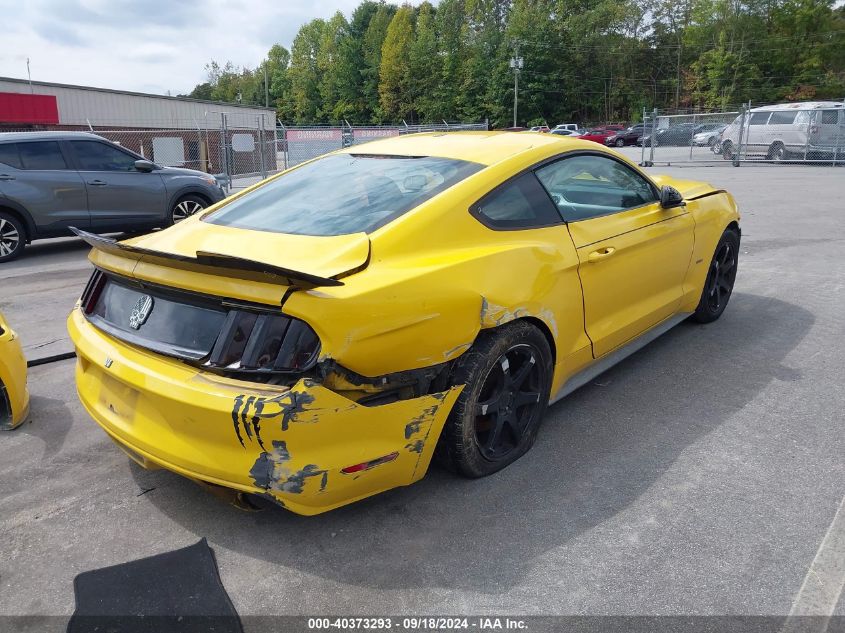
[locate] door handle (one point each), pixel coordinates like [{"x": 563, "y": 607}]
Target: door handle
[
  {"x": 98, "y": 183},
  {"x": 599, "y": 255},
  {"x": 6, "y": 177}
]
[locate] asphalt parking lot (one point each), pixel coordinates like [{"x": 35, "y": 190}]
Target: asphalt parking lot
[{"x": 701, "y": 476}]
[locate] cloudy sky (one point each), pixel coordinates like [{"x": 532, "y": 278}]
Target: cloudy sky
[{"x": 146, "y": 45}]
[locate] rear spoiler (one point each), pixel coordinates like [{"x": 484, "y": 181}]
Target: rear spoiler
[{"x": 292, "y": 278}]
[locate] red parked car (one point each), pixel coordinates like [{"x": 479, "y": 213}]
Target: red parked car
[{"x": 598, "y": 135}]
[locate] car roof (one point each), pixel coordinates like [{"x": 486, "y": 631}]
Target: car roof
[
  {"x": 486, "y": 148},
  {"x": 6, "y": 137},
  {"x": 804, "y": 105}
]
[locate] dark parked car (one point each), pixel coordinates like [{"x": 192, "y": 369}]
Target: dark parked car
[
  {"x": 677, "y": 134},
  {"x": 50, "y": 181},
  {"x": 627, "y": 137}
]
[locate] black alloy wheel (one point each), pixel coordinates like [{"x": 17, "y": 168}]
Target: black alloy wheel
[
  {"x": 506, "y": 376},
  {"x": 720, "y": 279},
  {"x": 510, "y": 398}
]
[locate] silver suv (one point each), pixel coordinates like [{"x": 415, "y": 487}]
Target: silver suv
[{"x": 50, "y": 181}]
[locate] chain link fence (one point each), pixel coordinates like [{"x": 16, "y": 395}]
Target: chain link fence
[
  {"x": 303, "y": 143},
  {"x": 240, "y": 151},
  {"x": 810, "y": 132}
]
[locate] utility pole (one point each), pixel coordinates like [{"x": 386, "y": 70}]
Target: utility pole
[
  {"x": 29, "y": 76},
  {"x": 266, "y": 88},
  {"x": 516, "y": 64}
]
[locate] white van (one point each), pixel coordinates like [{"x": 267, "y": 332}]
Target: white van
[{"x": 789, "y": 130}]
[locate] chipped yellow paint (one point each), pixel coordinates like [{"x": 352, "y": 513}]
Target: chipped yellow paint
[{"x": 13, "y": 375}]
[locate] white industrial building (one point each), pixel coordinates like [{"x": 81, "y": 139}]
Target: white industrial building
[{"x": 83, "y": 106}]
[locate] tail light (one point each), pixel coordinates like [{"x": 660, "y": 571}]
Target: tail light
[
  {"x": 208, "y": 332},
  {"x": 254, "y": 342},
  {"x": 92, "y": 291}
]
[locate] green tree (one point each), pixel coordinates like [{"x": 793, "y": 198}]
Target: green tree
[
  {"x": 305, "y": 76},
  {"x": 394, "y": 75},
  {"x": 371, "y": 48},
  {"x": 424, "y": 67}
]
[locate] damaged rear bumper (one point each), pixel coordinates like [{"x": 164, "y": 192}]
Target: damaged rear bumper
[{"x": 289, "y": 443}]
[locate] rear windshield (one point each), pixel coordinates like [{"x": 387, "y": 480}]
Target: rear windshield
[{"x": 344, "y": 193}]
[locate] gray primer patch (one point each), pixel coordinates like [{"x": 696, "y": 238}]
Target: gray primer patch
[
  {"x": 263, "y": 471},
  {"x": 411, "y": 428},
  {"x": 269, "y": 471},
  {"x": 416, "y": 446}
]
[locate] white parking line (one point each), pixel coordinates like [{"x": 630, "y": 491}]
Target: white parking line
[{"x": 822, "y": 586}]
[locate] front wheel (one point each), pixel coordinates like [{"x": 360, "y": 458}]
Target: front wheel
[
  {"x": 186, "y": 206},
  {"x": 720, "y": 279},
  {"x": 728, "y": 150},
  {"x": 620, "y": 143},
  {"x": 495, "y": 420}
]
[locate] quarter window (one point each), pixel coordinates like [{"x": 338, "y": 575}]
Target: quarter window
[
  {"x": 518, "y": 204},
  {"x": 585, "y": 187},
  {"x": 96, "y": 156},
  {"x": 41, "y": 155}
]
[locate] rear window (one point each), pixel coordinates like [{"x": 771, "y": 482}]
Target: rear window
[
  {"x": 344, "y": 193},
  {"x": 783, "y": 118}
]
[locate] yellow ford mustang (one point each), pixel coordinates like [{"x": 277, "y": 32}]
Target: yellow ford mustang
[
  {"x": 316, "y": 337},
  {"x": 14, "y": 397}
]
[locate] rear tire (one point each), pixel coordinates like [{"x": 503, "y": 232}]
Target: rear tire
[
  {"x": 12, "y": 237},
  {"x": 721, "y": 276},
  {"x": 507, "y": 376},
  {"x": 777, "y": 152}
]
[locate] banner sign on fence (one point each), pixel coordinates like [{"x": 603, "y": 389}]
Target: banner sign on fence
[
  {"x": 374, "y": 132},
  {"x": 332, "y": 134}
]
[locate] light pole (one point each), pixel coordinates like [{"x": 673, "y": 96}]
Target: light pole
[{"x": 516, "y": 64}]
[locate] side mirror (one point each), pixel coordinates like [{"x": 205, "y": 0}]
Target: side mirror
[
  {"x": 144, "y": 166},
  {"x": 670, "y": 197}
]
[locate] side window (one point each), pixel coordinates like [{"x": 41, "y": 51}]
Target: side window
[
  {"x": 41, "y": 155},
  {"x": 96, "y": 156},
  {"x": 784, "y": 117},
  {"x": 9, "y": 155},
  {"x": 585, "y": 187},
  {"x": 829, "y": 117},
  {"x": 759, "y": 118},
  {"x": 518, "y": 204}
]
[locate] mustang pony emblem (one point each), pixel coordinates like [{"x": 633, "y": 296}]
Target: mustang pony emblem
[{"x": 140, "y": 312}]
